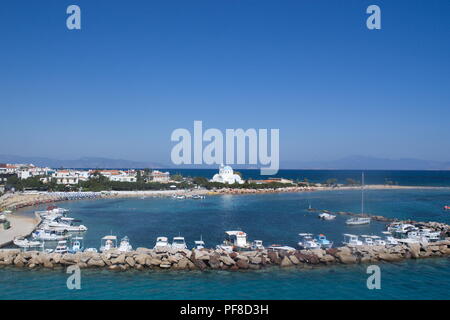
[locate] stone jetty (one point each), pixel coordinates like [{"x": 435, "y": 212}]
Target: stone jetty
[{"x": 210, "y": 259}]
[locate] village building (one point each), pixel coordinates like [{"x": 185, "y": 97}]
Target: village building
[{"x": 227, "y": 175}]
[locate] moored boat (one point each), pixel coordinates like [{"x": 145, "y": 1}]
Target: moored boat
[
  {"x": 327, "y": 216},
  {"x": 307, "y": 242},
  {"x": 323, "y": 242},
  {"x": 108, "y": 243},
  {"x": 178, "y": 243},
  {"x": 357, "y": 221},
  {"x": 125, "y": 245}
]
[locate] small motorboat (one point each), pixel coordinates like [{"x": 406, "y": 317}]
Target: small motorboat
[
  {"x": 446, "y": 208},
  {"x": 357, "y": 221},
  {"x": 279, "y": 247},
  {"x": 61, "y": 247},
  {"x": 199, "y": 244},
  {"x": 307, "y": 242},
  {"x": 162, "y": 243},
  {"x": 327, "y": 216},
  {"x": 26, "y": 244},
  {"x": 367, "y": 240},
  {"x": 108, "y": 243},
  {"x": 125, "y": 245},
  {"x": 197, "y": 197},
  {"x": 257, "y": 245},
  {"x": 91, "y": 250},
  {"x": 77, "y": 245},
  {"x": 179, "y": 243},
  {"x": 324, "y": 243}
]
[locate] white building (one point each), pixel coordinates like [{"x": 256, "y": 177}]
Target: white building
[
  {"x": 226, "y": 175},
  {"x": 66, "y": 177},
  {"x": 158, "y": 176}
]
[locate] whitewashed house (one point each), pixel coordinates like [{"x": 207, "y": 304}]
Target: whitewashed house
[{"x": 226, "y": 175}]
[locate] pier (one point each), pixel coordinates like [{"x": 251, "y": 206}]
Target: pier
[{"x": 21, "y": 226}]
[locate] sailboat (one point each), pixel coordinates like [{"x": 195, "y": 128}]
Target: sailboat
[{"x": 359, "y": 220}]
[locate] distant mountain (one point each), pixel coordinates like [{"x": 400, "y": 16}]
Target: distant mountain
[
  {"x": 370, "y": 163},
  {"x": 347, "y": 163},
  {"x": 85, "y": 162}
]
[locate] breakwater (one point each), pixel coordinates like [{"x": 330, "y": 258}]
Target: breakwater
[{"x": 210, "y": 259}]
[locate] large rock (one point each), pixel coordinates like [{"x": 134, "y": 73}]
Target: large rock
[
  {"x": 414, "y": 249},
  {"x": 130, "y": 261},
  {"x": 346, "y": 258},
  {"x": 227, "y": 260},
  {"x": 214, "y": 262},
  {"x": 389, "y": 257},
  {"x": 96, "y": 262},
  {"x": 273, "y": 257},
  {"x": 140, "y": 258},
  {"x": 119, "y": 260},
  {"x": 286, "y": 262},
  {"x": 242, "y": 264},
  {"x": 294, "y": 259}
]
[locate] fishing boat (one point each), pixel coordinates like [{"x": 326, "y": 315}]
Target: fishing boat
[
  {"x": 323, "y": 242},
  {"x": 179, "y": 243},
  {"x": 125, "y": 245},
  {"x": 27, "y": 244},
  {"x": 91, "y": 250},
  {"x": 352, "y": 240},
  {"x": 307, "y": 242},
  {"x": 162, "y": 243},
  {"x": 377, "y": 241},
  {"x": 257, "y": 245},
  {"x": 390, "y": 240},
  {"x": 327, "y": 216},
  {"x": 108, "y": 243},
  {"x": 235, "y": 240},
  {"x": 198, "y": 197},
  {"x": 61, "y": 247},
  {"x": 77, "y": 245},
  {"x": 357, "y": 221}
]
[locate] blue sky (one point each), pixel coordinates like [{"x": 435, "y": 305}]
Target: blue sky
[{"x": 140, "y": 69}]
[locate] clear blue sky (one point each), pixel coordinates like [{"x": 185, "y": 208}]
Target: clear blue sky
[{"x": 139, "y": 69}]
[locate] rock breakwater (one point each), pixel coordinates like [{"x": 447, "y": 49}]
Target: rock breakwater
[{"x": 210, "y": 259}]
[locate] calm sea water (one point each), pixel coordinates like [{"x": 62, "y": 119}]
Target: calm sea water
[{"x": 273, "y": 218}]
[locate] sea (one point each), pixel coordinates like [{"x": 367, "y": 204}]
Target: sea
[{"x": 273, "y": 218}]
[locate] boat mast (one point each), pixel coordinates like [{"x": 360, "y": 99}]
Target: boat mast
[{"x": 362, "y": 192}]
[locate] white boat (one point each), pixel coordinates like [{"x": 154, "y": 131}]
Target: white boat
[
  {"x": 352, "y": 240},
  {"x": 257, "y": 245},
  {"x": 357, "y": 221},
  {"x": 198, "y": 197},
  {"x": 199, "y": 244},
  {"x": 278, "y": 247},
  {"x": 235, "y": 240},
  {"x": 77, "y": 245},
  {"x": 108, "y": 243},
  {"x": 49, "y": 235},
  {"x": 61, "y": 247},
  {"x": 179, "y": 243},
  {"x": 91, "y": 250},
  {"x": 67, "y": 226},
  {"x": 2, "y": 217},
  {"x": 125, "y": 245},
  {"x": 327, "y": 216},
  {"x": 390, "y": 240},
  {"x": 307, "y": 242},
  {"x": 367, "y": 240},
  {"x": 26, "y": 244},
  {"x": 162, "y": 243}
]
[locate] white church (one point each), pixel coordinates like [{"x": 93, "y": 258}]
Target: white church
[{"x": 226, "y": 175}]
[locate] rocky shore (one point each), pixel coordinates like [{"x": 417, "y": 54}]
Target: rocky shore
[{"x": 210, "y": 259}]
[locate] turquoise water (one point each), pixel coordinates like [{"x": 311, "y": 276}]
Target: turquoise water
[{"x": 273, "y": 218}]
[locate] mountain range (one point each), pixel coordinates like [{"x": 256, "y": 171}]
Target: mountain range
[{"x": 348, "y": 163}]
